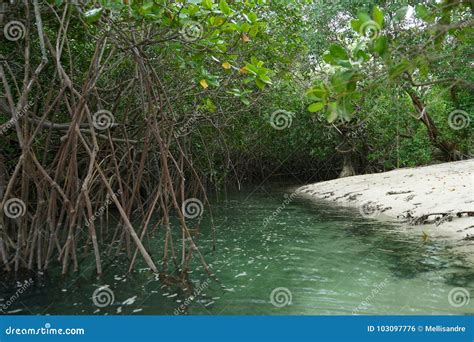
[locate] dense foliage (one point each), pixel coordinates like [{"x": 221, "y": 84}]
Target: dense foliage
[{"x": 160, "y": 99}]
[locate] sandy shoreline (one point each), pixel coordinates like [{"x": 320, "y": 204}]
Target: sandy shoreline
[{"x": 407, "y": 195}]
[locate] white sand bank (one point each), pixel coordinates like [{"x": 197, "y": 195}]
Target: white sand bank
[{"x": 407, "y": 194}]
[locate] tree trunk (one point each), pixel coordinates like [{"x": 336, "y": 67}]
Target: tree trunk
[
  {"x": 347, "y": 165},
  {"x": 448, "y": 150}
]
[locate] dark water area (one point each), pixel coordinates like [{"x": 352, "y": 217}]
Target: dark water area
[{"x": 276, "y": 254}]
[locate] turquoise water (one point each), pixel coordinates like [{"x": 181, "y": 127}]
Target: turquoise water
[{"x": 310, "y": 258}]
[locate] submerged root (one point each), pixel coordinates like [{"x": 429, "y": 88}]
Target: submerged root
[{"x": 119, "y": 165}]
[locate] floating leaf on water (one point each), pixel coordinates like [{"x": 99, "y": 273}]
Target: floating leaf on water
[
  {"x": 15, "y": 311},
  {"x": 130, "y": 300}
]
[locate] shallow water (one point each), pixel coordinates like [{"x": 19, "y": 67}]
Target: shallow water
[{"x": 277, "y": 255}]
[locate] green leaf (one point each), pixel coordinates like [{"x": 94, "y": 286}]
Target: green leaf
[
  {"x": 345, "y": 108},
  {"x": 216, "y": 21},
  {"x": 399, "y": 69},
  {"x": 338, "y": 83},
  {"x": 328, "y": 58},
  {"x": 146, "y": 8},
  {"x": 316, "y": 107},
  {"x": 345, "y": 64},
  {"x": 352, "y": 85},
  {"x": 265, "y": 79},
  {"x": 381, "y": 45},
  {"x": 338, "y": 52},
  {"x": 317, "y": 94},
  {"x": 252, "y": 17},
  {"x": 252, "y": 69},
  {"x": 224, "y": 7},
  {"x": 207, "y": 4},
  {"x": 332, "y": 113},
  {"x": 401, "y": 13},
  {"x": 93, "y": 15},
  {"x": 209, "y": 105},
  {"x": 361, "y": 56},
  {"x": 378, "y": 16},
  {"x": 340, "y": 80},
  {"x": 229, "y": 27},
  {"x": 424, "y": 69},
  {"x": 363, "y": 17},
  {"x": 245, "y": 101},
  {"x": 355, "y": 24},
  {"x": 422, "y": 12},
  {"x": 260, "y": 84}
]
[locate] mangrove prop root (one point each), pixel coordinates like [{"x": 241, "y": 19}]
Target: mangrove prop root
[{"x": 64, "y": 202}]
